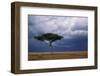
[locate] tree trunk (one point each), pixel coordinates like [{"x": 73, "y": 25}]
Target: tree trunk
[{"x": 50, "y": 43}]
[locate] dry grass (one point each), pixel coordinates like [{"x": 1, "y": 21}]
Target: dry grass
[{"x": 56, "y": 55}]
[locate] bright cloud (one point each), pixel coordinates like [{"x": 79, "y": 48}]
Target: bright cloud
[{"x": 65, "y": 26}]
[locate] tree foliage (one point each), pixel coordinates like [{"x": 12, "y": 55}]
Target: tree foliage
[{"x": 49, "y": 37}]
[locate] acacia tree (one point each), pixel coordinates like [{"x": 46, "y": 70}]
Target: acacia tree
[{"x": 49, "y": 37}]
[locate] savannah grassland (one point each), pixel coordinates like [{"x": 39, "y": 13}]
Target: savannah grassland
[{"x": 56, "y": 55}]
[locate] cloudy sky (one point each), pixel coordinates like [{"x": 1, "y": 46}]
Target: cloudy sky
[{"x": 73, "y": 29}]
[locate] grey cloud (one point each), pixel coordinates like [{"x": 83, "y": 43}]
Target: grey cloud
[{"x": 66, "y": 26}]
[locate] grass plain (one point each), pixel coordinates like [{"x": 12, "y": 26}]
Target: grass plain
[{"x": 57, "y": 55}]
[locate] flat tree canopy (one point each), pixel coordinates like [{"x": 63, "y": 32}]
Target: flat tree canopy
[{"x": 49, "y": 37}]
